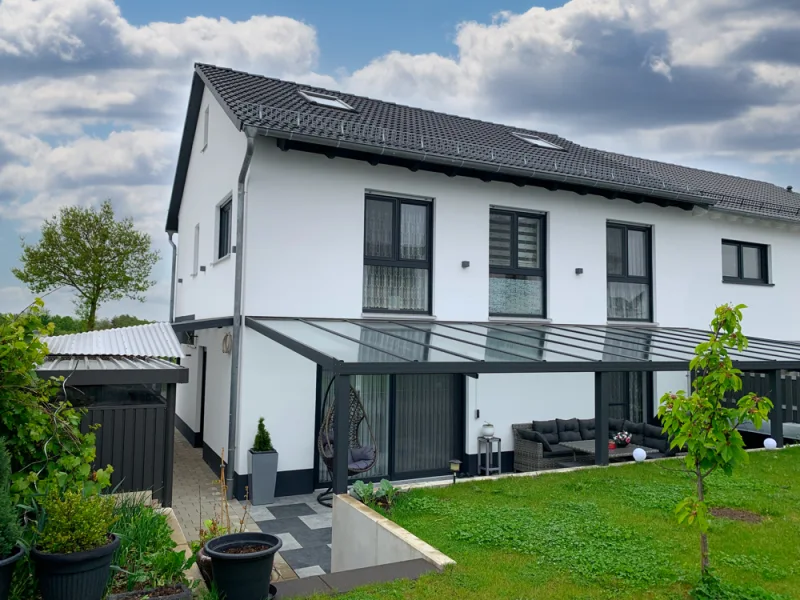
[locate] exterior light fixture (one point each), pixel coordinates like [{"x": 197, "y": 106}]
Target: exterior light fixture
[
  {"x": 770, "y": 443},
  {"x": 639, "y": 455},
  {"x": 455, "y": 467}
]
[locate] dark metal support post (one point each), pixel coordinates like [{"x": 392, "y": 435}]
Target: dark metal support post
[
  {"x": 169, "y": 444},
  {"x": 341, "y": 433},
  {"x": 600, "y": 421},
  {"x": 776, "y": 414}
]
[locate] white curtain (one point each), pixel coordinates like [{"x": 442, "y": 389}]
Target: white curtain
[
  {"x": 628, "y": 300},
  {"x": 395, "y": 288},
  {"x": 413, "y": 232}
]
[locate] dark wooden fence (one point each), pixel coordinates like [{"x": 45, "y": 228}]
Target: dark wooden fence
[
  {"x": 135, "y": 437},
  {"x": 759, "y": 383}
]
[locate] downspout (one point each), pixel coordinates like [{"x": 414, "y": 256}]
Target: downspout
[
  {"x": 174, "y": 269},
  {"x": 250, "y": 132}
]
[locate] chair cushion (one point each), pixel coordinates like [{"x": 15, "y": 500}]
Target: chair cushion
[
  {"x": 636, "y": 430},
  {"x": 586, "y": 427},
  {"x": 615, "y": 425},
  {"x": 548, "y": 429},
  {"x": 654, "y": 431},
  {"x": 359, "y": 465},
  {"x": 568, "y": 430},
  {"x": 365, "y": 453},
  {"x": 658, "y": 443},
  {"x": 534, "y": 436},
  {"x": 557, "y": 450}
]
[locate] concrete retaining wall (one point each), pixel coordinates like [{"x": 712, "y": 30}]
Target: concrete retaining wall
[{"x": 363, "y": 538}]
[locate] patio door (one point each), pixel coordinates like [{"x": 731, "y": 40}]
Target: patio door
[
  {"x": 630, "y": 396},
  {"x": 417, "y": 422}
]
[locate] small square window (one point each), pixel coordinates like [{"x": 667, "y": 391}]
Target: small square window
[
  {"x": 744, "y": 263},
  {"x": 224, "y": 228},
  {"x": 325, "y": 100},
  {"x": 536, "y": 140}
]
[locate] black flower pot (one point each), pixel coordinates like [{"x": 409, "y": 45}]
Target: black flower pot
[
  {"x": 184, "y": 594},
  {"x": 74, "y": 576},
  {"x": 7, "y": 570},
  {"x": 244, "y": 576}
]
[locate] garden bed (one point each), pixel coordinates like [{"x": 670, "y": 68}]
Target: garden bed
[{"x": 605, "y": 533}]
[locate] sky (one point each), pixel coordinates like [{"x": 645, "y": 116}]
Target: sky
[{"x": 94, "y": 92}]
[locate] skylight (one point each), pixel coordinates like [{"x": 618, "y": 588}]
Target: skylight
[
  {"x": 536, "y": 140},
  {"x": 325, "y": 100}
]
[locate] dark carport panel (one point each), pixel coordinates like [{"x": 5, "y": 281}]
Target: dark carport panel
[{"x": 409, "y": 346}]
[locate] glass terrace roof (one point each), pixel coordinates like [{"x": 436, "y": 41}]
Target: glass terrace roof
[{"x": 416, "y": 346}]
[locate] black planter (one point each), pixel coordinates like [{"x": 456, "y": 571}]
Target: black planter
[
  {"x": 7, "y": 570},
  {"x": 184, "y": 594},
  {"x": 75, "y": 576},
  {"x": 242, "y": 576}
]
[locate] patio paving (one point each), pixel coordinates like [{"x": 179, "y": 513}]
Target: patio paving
[{"x": 196, "y": 496}]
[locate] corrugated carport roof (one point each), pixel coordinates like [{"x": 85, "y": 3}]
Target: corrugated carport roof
[
  {"x": 113, "y": 370},
  {"x": 386, "y": 346}
]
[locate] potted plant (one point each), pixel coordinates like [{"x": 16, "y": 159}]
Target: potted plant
[
  {"x": 622, "y": 439},
  {"x": 74, "y": 546},
  {"x": 242, "y": 564},
  {"x": 10, "y": 550},
  {"x": 168, "y": 583},
  {"x": 487, "y": 430},
  {"x": 263, "y": 467}
]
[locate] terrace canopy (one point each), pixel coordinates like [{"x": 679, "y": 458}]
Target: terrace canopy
[{"x": 399, "y": 346}]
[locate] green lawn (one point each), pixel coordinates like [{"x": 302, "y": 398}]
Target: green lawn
[{"x": 603, "y": 533}]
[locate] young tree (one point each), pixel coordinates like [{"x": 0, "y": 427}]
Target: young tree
[
  {"x": 88, "y": 250},
  {"x": 703, "y": 424}
]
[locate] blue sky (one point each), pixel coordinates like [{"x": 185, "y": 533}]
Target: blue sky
[{"x": 95, "y": 90}]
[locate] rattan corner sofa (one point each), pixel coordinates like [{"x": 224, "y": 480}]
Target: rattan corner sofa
[{"x": 531, "y": 455}]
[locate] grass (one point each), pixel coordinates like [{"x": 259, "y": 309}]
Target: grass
[{"x": 606, "y": 534}]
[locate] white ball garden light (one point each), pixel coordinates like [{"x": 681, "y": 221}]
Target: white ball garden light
[
  {"x": 639, "y": 455},
  {"x": 770, "y": 444}
]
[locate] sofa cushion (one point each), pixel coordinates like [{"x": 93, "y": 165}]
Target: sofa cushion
[
  {"x": 615, "y": 425},
  {"x": 586, "y": 427},
  {"x": 568, "y": 430},
  {"x": 548, "y": 429},
  {"x": 654, "y": 431},
  {"x": 658, "y": 443},
  {"x": 534, "y": 436},
  {"x": 558, "y": 450}
]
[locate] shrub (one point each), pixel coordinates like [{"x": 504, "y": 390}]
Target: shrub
[
  {"x": 10, "y": 530},
  {"x": 43, "y": 435},
  {"x": 263, "y": 442},
  {"x": 75, "y": 522}
]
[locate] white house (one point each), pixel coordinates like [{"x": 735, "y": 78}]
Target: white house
[{"x": 359, "y": 211}]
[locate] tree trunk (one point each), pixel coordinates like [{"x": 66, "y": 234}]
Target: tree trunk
[
  {"x": 703, "y": 536},
  {"x": 91, "y": 319}
]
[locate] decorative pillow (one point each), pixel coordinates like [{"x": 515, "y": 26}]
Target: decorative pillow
[
  {"x": 633, "y": 428},
  {"x": 568, "y": 430},
  {"x": 654, "y": 431},
  {"x": 586, "y": 427},
  {"x": 535, "y": 436},
  {"x": 658, "y": 443},
  {"x": 548, "y": 430}
]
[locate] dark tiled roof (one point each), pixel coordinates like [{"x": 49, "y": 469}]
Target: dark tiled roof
[
  {"x": 731, "y": 192},
  {"x": 374, "y": 125}
]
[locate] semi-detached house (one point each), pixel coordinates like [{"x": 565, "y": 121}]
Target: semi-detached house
[{"x": 341, "y": 227}]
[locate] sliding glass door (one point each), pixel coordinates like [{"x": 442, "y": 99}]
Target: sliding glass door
[{"x": 416, "y": 421}]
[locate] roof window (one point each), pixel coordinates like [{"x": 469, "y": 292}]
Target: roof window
[
  {"x": 325, "y": 100},
  {"x": 536, "y": 140}
]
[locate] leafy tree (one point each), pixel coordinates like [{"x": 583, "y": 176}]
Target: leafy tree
[
  {"x": 88, "y": 250},
  {"x": 702, "y": 423},
  {"x": 63, "y": 325},
  {"x": 42, "y": 432},
  {"x": 121, "y": 321}
]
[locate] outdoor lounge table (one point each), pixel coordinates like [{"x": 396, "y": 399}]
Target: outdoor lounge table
[{"x": 587, "y": 447}]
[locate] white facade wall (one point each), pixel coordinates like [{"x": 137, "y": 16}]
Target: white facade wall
[
  {"x": 212, "y": 175},
  {"x": 187, "y": 396},
  {"x": 305, "y": 246},
  {"x": 279, "y": 385}
]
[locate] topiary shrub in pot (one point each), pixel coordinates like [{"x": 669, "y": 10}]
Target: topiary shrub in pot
[
  {"x": 10, "y": 530},
  {"x": 74, "y": 547},
  {"x": 263, "y": 461}
]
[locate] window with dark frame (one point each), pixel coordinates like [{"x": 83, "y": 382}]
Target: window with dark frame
[
  {"x": 744, "y": 263},
  {"x": 629, "y": 272},
  {"x": 517, "y": 278},
  {"x": 224, "y": 233},
  {"x": 397, "y": 255}
]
